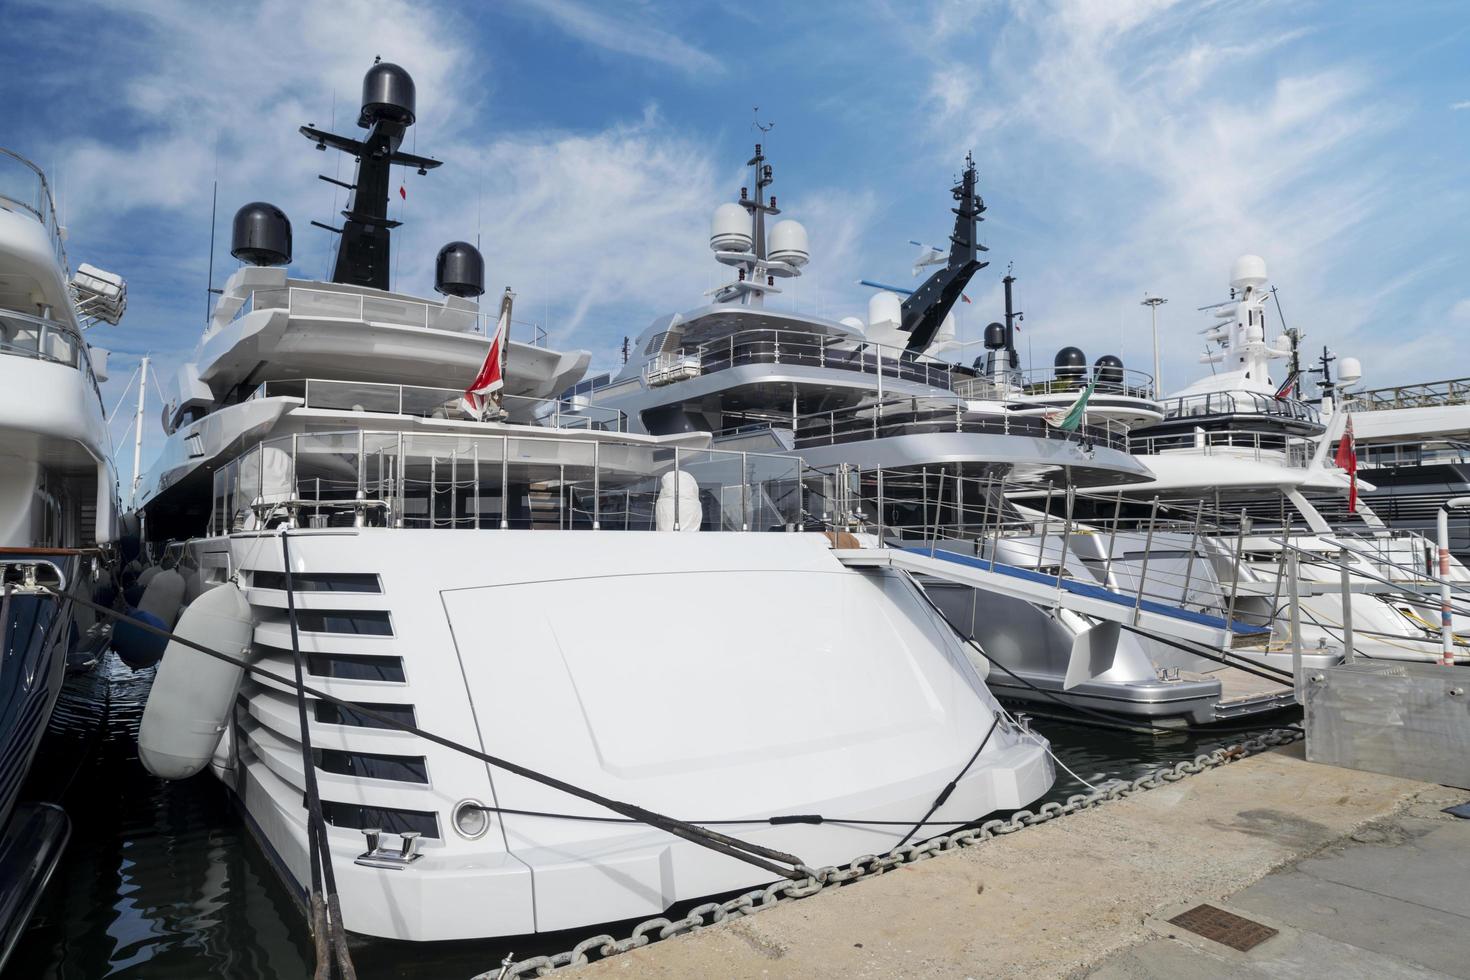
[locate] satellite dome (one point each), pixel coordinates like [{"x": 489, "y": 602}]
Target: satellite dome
[
  {"x": 1109, "y": 369},
  {"x": 788, "y": 243},
  {"x": 1248, "y": 270},
  {"x": 1282, "y": 343},
  {"x": 1070, "y": 362},
  {"x": 729, "y": 229},
  {"x": 459, "y": 270},
  {"x": 387, "y": 94},
  {"x": 853, "y": 322},
  {"x": 261, "y": 235},
  {"x": 885, "y": 307},
  {"x": 1349, "y": 371},
  {"x": 995, "y": 336}
]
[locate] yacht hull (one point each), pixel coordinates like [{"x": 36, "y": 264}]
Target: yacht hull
[{"x": 686, "y": 673}]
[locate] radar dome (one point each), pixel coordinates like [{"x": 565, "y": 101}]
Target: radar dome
[
  {"x": 1349, "y": 371},
  {"x": 1248, "y": 270},
  {"x": 459, "y": 270},
  {"x": 387, "y": 94},
  {"x": 1109, "y": 369},
  {"x": 885, "y": 308},
  {"x": 995, "y": 336},
  {"x": 729, "y": 229},
  {"x": 1282, "y": 343},
  {"x": 261, "y": 235},
  {"x": 853, "y": 322},
  {"x": 788, "y": 243},
  {"x": 1070, "y": 362}
]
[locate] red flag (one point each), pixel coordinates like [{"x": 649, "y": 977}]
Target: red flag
[
  {"x": 403, "y": 192},
  {"x": 1347, "y": 460},
  {"x": 964, "y": 297},
  {"x": 491, "y": 377}
]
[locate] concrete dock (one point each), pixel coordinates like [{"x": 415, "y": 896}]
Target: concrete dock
[{"x": 1360, "y": 875}]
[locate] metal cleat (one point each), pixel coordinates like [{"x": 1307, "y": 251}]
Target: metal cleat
[{"x": 377, "y": 856}]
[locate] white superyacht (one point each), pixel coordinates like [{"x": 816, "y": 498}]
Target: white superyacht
[
  {"x": 529, "y": 578},
  {"x": 58, "y": 506}
]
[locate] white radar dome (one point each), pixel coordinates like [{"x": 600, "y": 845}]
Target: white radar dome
[
  {"x": 789, "y": 244},
  {"x": 854, "y": 322},
  {"x": 1282, "y": 343},
  {"x": 729, "y": 229},
  {"x": 1349, "y": 370},
  {"x": 885, "y": 308},
  {"x": 1248, "y": 270}
]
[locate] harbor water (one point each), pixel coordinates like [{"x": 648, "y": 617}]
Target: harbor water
[{"x": 162, "y": 880}]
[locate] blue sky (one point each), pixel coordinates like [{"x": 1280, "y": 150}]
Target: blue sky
[{"x": 1123, "y": 147}]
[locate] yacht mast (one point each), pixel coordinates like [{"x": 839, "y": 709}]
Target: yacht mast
[{"x": 138, "y": 430}]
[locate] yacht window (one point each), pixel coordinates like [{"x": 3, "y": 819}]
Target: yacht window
[
  {"x": 372, "y": 765},
  {"x": 335, "y": 714},
  {"x": 355, "y": 667},
  {"x": 387, "y": 819},
  {"x": 362, "y": 622},
  {"x": 318, "y": 581}
]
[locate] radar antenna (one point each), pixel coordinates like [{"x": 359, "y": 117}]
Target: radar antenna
[
  {"x": 924, "y": 311},
  {"x": 387, "y": 112}
]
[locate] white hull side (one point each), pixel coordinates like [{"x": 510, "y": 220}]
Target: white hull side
[{"x": 685, "y": 673}]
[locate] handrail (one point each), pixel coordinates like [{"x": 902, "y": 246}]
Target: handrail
[
  {"x": 80, "y": 351},
  {"x": 806, "y": 348},
  {"x": 43, "y": 206},
  {"x": 1053, "y": 381},
  {"x": 1239, "y": 402},
  {"x": 418, "y": 401},
  {"x": 1295, "y": 450},
  {"x": 1431, "y": 394},
  {"x": 901, "y": 415}
]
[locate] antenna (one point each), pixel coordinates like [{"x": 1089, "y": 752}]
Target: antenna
[
  {"x": 625, "y": 349},
  {"x": 757, "y": 124},
  {"x": 209, "y": 287},
  {"x": 1153, "y": 303}
]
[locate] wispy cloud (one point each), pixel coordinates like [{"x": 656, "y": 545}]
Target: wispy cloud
[
  {"x": 1457, "y": 106},
  {"x": 627, "y": 31}
]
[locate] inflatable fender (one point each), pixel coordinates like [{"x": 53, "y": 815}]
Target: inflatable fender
[
  {"x": 135, "y": 646},
  {"x": 193, "y": 694}
]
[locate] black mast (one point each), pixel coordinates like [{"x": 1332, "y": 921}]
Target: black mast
[
  {"x": 925, "y": 309},
  {"x": 387, "y": 112}
]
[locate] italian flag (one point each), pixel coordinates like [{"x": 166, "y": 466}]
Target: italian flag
[{"x": 1070, "y": 419}]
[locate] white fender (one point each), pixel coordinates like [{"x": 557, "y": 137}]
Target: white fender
[
  {"x": 193, "y": 694},
  {"x": 163, "y": 596}
]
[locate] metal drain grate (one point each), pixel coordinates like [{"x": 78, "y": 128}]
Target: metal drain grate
[{"x": 1225, "y": 928}]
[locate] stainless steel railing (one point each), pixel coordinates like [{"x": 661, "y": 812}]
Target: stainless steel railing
[
  {"x": 24, "y": 185},
  {"x": 358, "y": 478}
]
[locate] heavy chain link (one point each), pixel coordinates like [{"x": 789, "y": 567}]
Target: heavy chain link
[{"x": 872, "y": 865}]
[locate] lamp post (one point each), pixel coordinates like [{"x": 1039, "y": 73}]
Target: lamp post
[{"x": 1153, "y": 303}]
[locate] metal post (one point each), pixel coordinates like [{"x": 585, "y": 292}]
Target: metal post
[
  {"x": 1148, "y": 543},
  {"x": 677, "y": 488},
  {"x": 745, "y": 491},
  {"x": 433, "y": 486},
  {"x": 1235, "y": 575},
  {"x": 1066, "y": 535},
  {"x": 596, "y": 487},
  {"x": 504, "y": 482},
  {"x": 475, "y": 456},
  {"x": 1045, "y": 526},
  {"x": 1000, "y": 513},
  {"x": 880, "y": 506},
  {"x": 1292, "y": 578},
  {"x": 1347, "y": 608},
  {"x": 1446, "y": 617},
  {"x": 1199, "y": 514}
]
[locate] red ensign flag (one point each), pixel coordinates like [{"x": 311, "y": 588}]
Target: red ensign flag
[{"x": 1347, "y": 460}]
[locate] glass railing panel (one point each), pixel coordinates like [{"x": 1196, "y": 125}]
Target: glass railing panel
[{"x": 348, "y": 396}]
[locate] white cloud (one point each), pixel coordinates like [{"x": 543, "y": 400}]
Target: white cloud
[
  {"x": 1460, "y": 312},
  {"x": 626, "y": 33},
  {"x": 1456, "y": 106}
]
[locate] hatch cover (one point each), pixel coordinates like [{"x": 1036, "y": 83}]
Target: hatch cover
[{"x": 1224, "y": 927}]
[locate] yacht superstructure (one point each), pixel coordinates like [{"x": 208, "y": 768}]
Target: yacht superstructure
[
  {"x": 58, "y": 504},
  {"x": 629, "y": 611}
]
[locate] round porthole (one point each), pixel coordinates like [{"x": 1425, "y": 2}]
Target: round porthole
[{"x": 471, "y": 819}]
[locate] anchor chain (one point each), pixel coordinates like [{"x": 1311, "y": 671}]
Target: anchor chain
[{"x": 872, "y": 865}]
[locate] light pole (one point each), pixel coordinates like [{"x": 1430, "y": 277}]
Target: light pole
[{"x": 1153, "y": 303}]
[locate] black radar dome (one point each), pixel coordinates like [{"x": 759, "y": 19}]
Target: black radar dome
[
  {"x": 1070, "y": 362},
  {"x": 1109, "y": 369},
  {"x": 262, "y": 235},
  {"x": 459, "y": 270},
  {"x": 995, "y": 336},
  {"x": 387, "y": 94}
]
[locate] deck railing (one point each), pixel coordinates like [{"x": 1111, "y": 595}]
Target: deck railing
[
  {"x": 765, "y": 346},
  {"x": 359, "y": 478},
  {"x": 23, "y": 335},
  {"x": 1258, "y": 445},
  {"x": 1239, "y": 403},
  {"x": 1433, "y": 394},
  {"x": 1050, "y": 381},
  {"x": 439, "y": 403},
  {"x": 24, "y": 185},
  {"x": 332, "y": 304},
  {"x": 898, "y": 416}
]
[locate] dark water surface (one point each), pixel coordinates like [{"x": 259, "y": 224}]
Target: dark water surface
[{"x": 162, "y": 879}]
